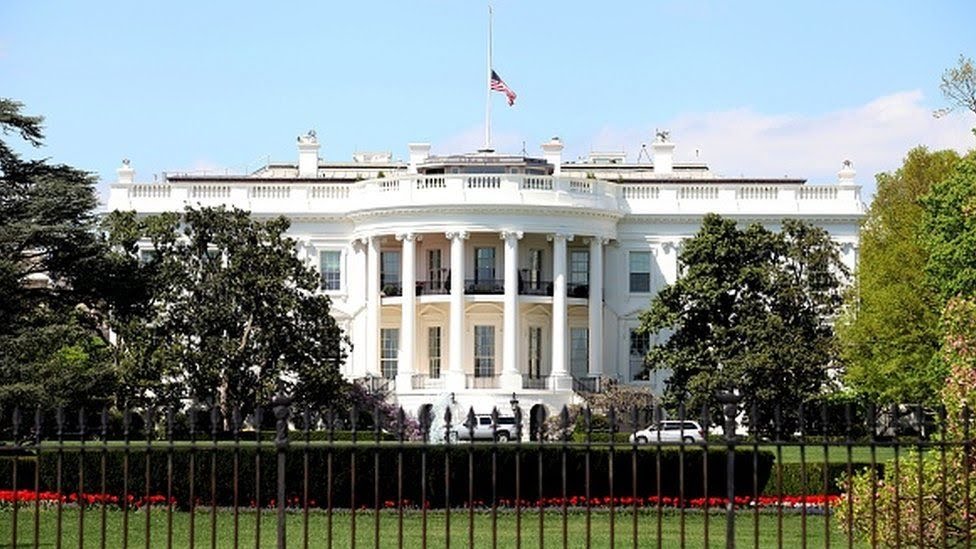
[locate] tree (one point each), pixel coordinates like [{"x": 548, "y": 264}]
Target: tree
[
  {"x": 752, "y": 313},
  {"x": 223, "y": 311},
  {"x": 889, "y": 332},
  {"x": 959, "y": 87},
  {"x": 50, "y": 254},
  {"x": 949, "y": 232}
]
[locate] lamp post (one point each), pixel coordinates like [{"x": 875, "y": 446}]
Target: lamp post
[{"x": 730, "y": 405}]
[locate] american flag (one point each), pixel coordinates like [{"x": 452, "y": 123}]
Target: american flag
[{"x": 497, "y": 84}]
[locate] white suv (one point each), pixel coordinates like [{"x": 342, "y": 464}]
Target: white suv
[
  {"x": 670, "y": 431},
  {"x": 504, "y": 431}
]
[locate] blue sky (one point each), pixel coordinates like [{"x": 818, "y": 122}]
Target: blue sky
[{"x": 756, "y": 88}]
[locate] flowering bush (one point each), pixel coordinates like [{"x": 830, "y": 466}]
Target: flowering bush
[{"x": 927, "y": 508}]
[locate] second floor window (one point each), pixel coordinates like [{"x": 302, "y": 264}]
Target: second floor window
[
  {"x": 640, "y": 272},
  {"x": 579, "y": 267},
  {"x": 330, "y": 269},
  {"x": 484, "y": 264},
  {"x": 389, "y": 269},
  {"x": 435, "y": 273}
]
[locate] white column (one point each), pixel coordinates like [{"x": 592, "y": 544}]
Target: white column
[
  {"x": 372, "y": 305},
  {"x": 408, "y": 311},
  {"x": 596, "y": 307},
  {"x": 511, "y": 378},
  {"x": 559, "y": 378},
  {"x": 454, "y": 380}
]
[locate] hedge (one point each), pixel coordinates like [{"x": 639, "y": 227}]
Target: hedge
[
  {"x": 792, "y": 477},
  {"x": 365, "y": 456}
]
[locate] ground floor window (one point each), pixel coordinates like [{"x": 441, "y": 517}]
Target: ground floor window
[
  {"x": 434, "y": 351},
  {"x": 579, "y": 352},
  {"x": 389, "y": 348},
  {"x": 640, "y": 343},
  {"x": 484, "y": 351},
  {"x": 535, "y": 352}
]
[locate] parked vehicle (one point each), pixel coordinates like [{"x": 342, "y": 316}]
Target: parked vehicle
[
  {"x": 670, "y": 431},
  {"x": 504, "y": 431}
]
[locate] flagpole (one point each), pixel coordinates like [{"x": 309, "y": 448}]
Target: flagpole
[{"x": 488, "y": 88}]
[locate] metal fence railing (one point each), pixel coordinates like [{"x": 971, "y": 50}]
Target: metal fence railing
[{"x": 291, "y": 476}]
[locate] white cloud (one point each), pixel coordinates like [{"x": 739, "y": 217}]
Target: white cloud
[{"x": 875, "y": 136}]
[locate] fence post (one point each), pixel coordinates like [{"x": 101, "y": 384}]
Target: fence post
[
  {"x": 729, "y": 401},
  {"x": 282, "y": 411}
]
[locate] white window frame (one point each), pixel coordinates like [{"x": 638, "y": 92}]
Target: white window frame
[
  {"x": 631, "y": 272},
  {"x": 340, "y": 281}
]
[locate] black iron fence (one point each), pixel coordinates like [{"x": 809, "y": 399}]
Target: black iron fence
[{"x": 292, "y": 476}]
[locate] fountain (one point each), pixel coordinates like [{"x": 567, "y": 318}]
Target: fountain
[{"x": 437, "y": 424}]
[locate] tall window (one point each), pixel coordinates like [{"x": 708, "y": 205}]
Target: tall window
[
  {"x": 434, "y": 351},
  {"x": 535, "y": 265},
  {"x": 484, "y": 264},
  {"x": 579, "y": 267},
  {"x": 330, "y": 269},
  {"x": 435, "y": 273},
  {"x": 640, "y": 343},
  {"x": 640, "y": 272},
  {"x": 484, "y": 351},
  {"x": 579, "y": 354},
  {"x": 389, "y": 269},
  {"x": 535, "y": 352},
  {"x": 389, "y": 347}
]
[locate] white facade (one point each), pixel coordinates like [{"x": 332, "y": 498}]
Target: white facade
[{"x": 556, "y": 260}]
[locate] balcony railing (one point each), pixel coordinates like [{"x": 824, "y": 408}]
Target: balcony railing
[
  {"x": 534, "y": 382},
  {"x": 482, "y": 382},
  {"x": 589, "y": 384},
  {"x": 577, "y": 290},
  {"x": 433, "y": 287},
  {"x": 485, "y": 286},
  {"x": 425, "y": 381},
  {"x": 535, "y": 287}
]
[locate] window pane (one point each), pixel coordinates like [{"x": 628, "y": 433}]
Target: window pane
[
  {"x": 579, "y": 267},
  {"x": 389, "y": 268},
  {"x": 389, "y": 349},
  {"x": 640, "y": 272},
  {"x": 484, "y": 351},
  {"x": 434, "y": 351},
  {"x": 485, "y": 264},
  {"x": 330, "y": 269},
  {"x": 578, "y": 351}
]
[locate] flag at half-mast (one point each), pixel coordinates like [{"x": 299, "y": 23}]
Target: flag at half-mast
[{"x": 499, "y": 85}]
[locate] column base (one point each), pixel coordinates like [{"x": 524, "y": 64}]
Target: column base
[
  {"x": 510, "y": 381},
  {"x": 404, "y": 382},
  {"x": 454, "y": 381},
  {"x": 560, "y": 382}
]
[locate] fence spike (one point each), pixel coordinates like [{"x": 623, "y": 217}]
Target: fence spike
[
  {"x": 401, "y": 427},
  {"x": 104, "y": 420},
  {"x": 38, "y": 424},
  {"x": 447, "y": 424},
  {"x": 470, "y": 422},
  {"x": 214, "y": 419},
  {"x": 518, "y": 422},
  {"x": 564, "y": 423}
]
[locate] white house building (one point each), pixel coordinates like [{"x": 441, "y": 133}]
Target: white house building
[{"x": 482, "y": 278}]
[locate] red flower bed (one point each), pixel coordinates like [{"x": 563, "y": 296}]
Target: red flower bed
[{"x": 85, "y": 499}]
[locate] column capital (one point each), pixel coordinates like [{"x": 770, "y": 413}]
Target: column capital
[
  {"x": 553, "y": 237},
  {"x": 409, "y": 237},
  {"x": 506, "y": 235},
  {"x": 601, "y": 240},
  {"x": 456, "y": 235}
]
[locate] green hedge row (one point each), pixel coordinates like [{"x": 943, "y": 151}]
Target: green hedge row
[
  {"x": 355, "y": 468},
  {"x": 792, "y": 477}
]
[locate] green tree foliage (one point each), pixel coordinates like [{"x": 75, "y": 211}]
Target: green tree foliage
[
  {"x": 949, "y": 232},
  {"x": 221, "y": 309},
  {"x": 752, "y": 312},
  {"x": 889, "y": 332},
  {"x": 50, "y": 259}
]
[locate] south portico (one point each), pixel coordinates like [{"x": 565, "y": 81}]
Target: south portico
[{"x": 503, "y": 335}]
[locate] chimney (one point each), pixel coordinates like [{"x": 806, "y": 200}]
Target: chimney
[
  {"x": 663, "y": 152},
  {"x": 308, "y": 155},
  {"x": 126, "y": 174},
  {"x": 552, "y": 152},
  {"x": 419, "y": 152},
  {"x": 846, "y": 174}
]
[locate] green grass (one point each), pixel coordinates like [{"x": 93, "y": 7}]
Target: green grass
[
  {"x": 836, "y": 454},
  {"x": 389, "y": 531}
]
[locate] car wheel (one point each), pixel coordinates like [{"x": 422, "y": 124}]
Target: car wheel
[
  {"x": 689, "y": 440},
  {"x": 641, "y": 440},
  {"x": 503, "y": 436}
]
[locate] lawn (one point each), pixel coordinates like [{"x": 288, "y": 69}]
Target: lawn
[{"x": 412, "y": 531}]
